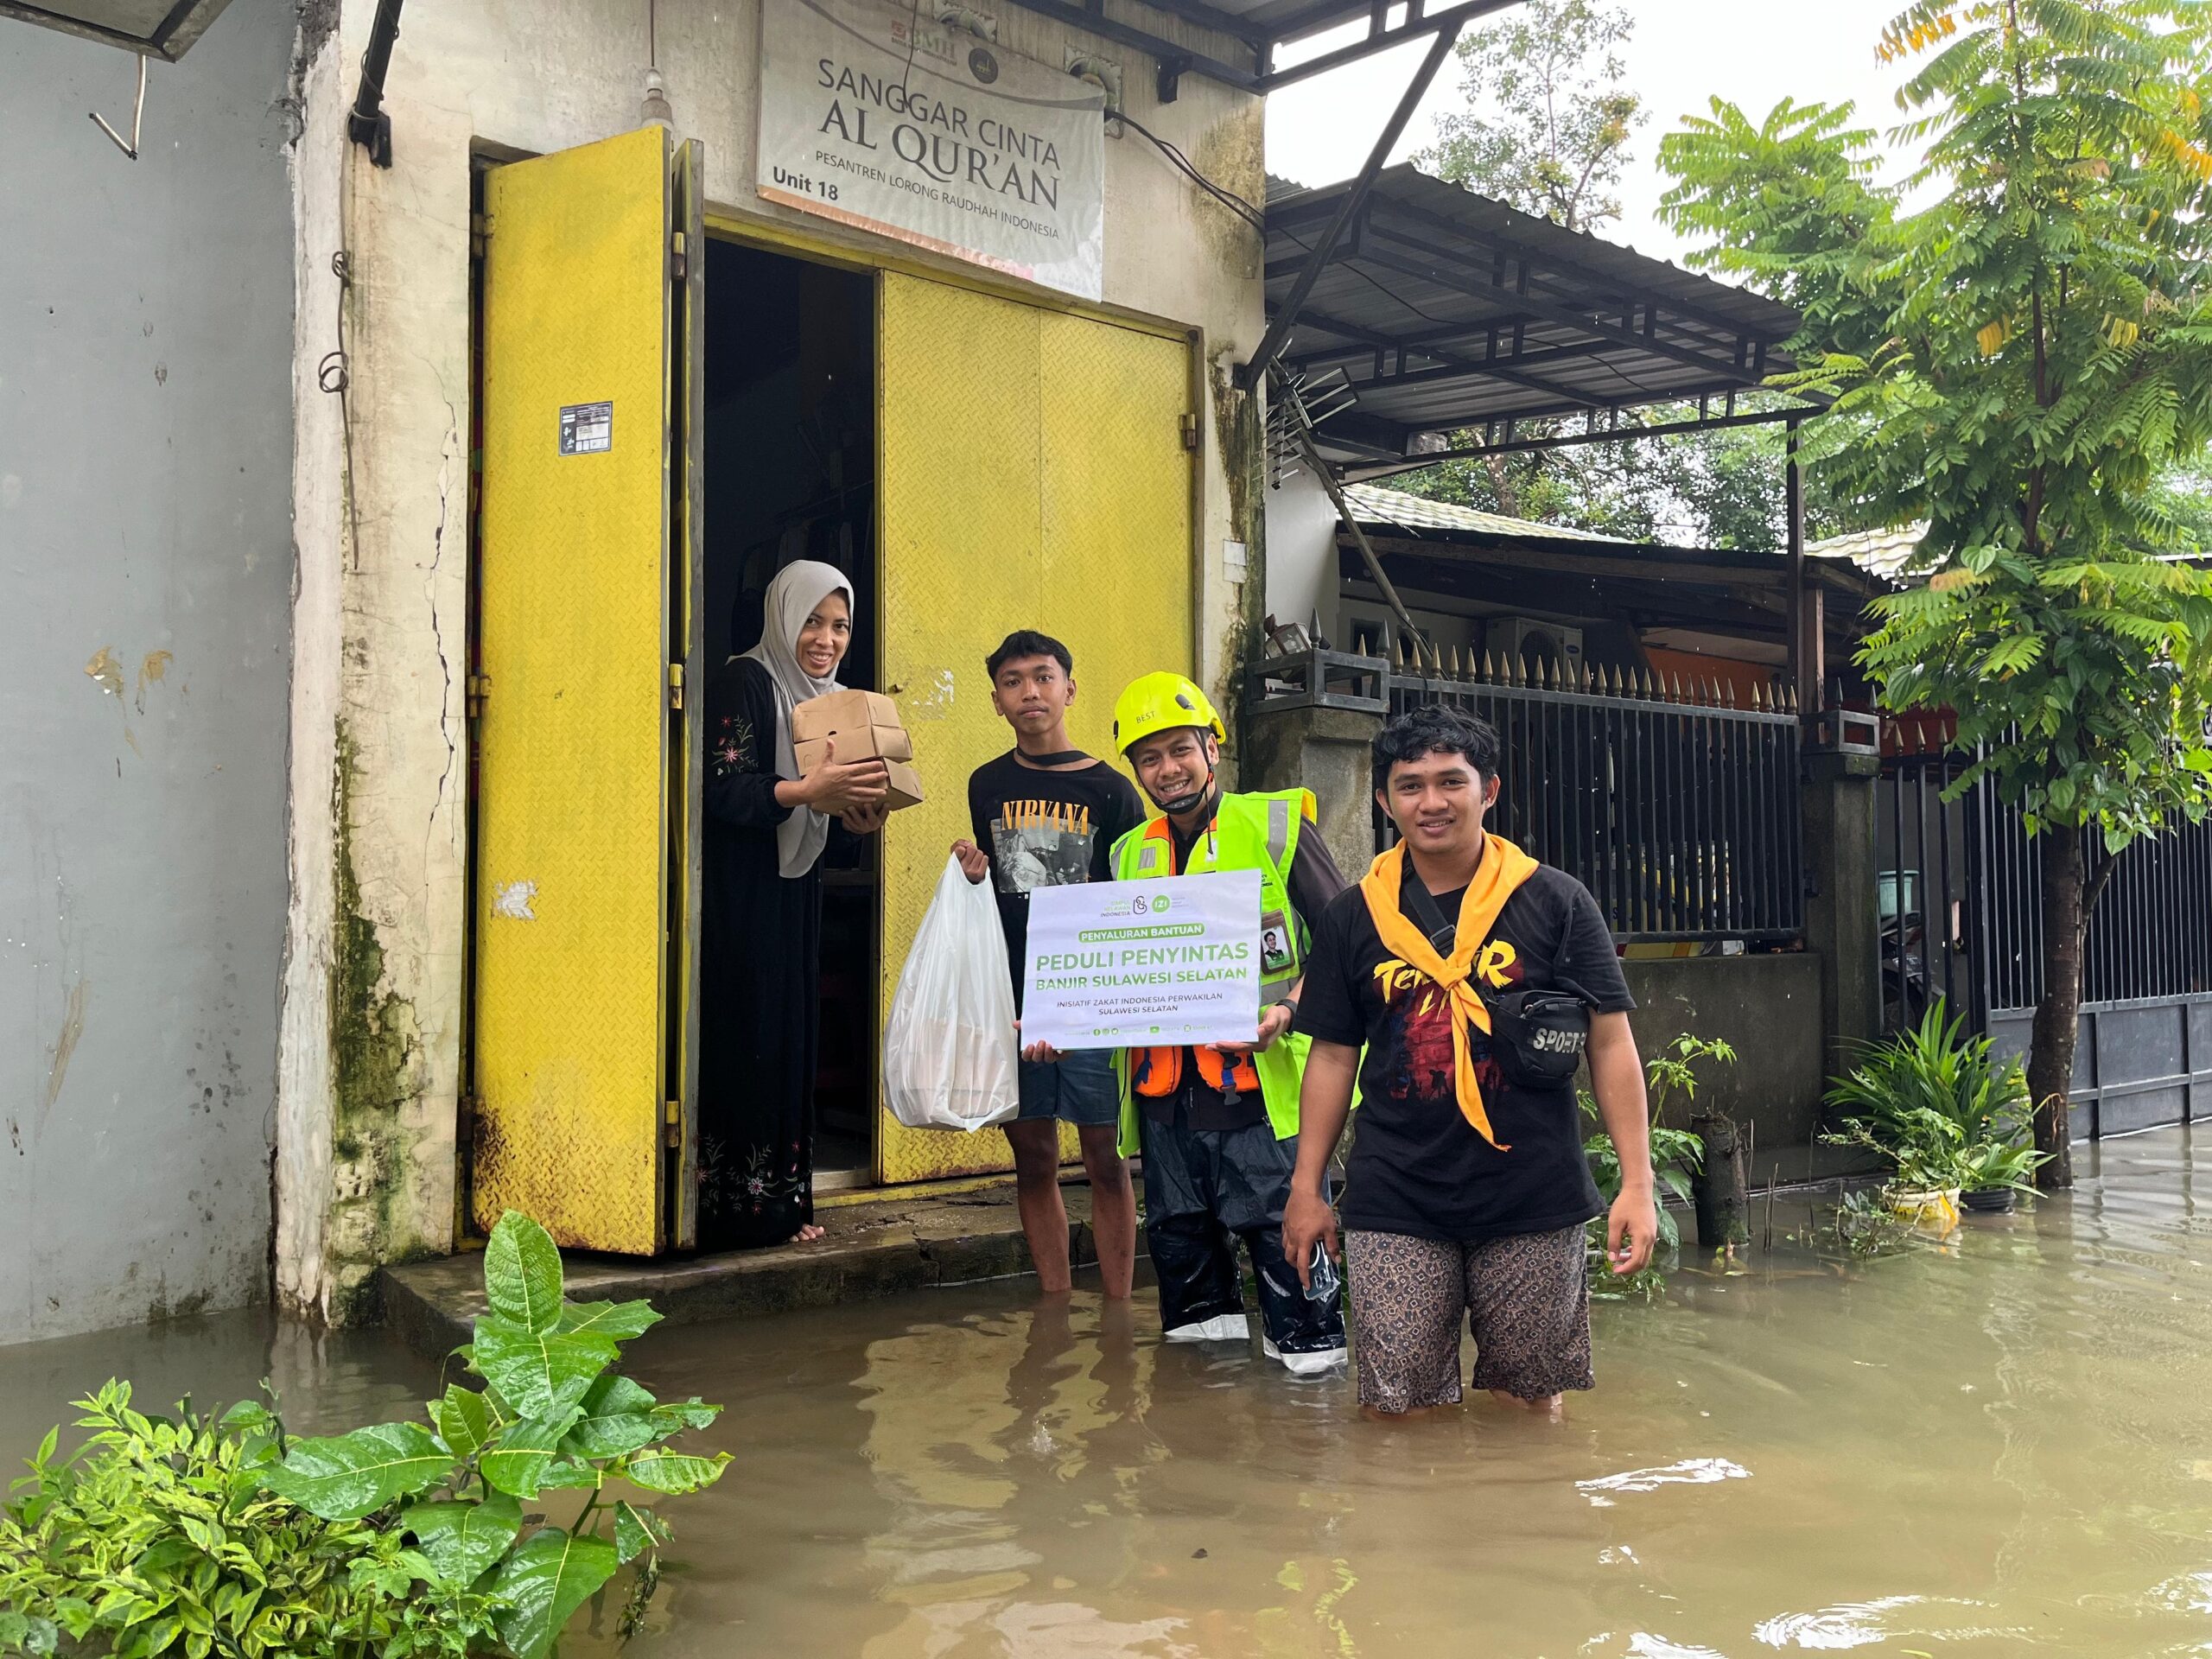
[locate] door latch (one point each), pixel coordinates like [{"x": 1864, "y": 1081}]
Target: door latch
[{"x": 676, "y": 685}]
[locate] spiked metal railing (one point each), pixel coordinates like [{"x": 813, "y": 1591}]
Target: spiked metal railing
[{"x": 1673, "y": 797}]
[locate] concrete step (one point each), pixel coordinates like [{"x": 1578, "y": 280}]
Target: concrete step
[{"x": 874, "y": 1246}]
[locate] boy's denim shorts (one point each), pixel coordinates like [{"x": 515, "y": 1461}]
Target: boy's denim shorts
[{"x": 1080, "y": 1087}]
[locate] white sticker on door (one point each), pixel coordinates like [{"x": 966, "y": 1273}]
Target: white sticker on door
[{"x": 587, "y": 428}]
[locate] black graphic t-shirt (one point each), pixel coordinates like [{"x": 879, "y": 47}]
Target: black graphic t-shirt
[
  {"x": 1417, "y": 1165},
  {"x": 1045, "y": 830}
]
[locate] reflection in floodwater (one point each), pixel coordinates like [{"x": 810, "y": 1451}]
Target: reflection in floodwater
[{"x": 1995, "y": 1450}]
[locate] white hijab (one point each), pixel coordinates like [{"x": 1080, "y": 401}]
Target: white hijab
[{"x": 792, "y": 595}]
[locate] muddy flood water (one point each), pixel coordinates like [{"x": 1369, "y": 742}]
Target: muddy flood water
[{"x": 2004, "y": 1448}]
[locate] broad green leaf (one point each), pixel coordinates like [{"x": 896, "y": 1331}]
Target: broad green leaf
[
  {"x": 535, "y": 1372},
  {"x": 621, "y": 1320},
  {"x": 463, "y": 1540},
  {"x": 561, "y": 1474},
  {"x": 636, "y": 1530},
  {"x": 673, "y": 1473},
  {"x": 515, "y": 1462},
  {"x": 344, "y": 1478},
  {"x": 617, "y": 1418},
  {"x": 464, "y": 1419},
  {"x": 543, "y": 1583},
  {"x": 247, "y": 1417},
  {"x": 675, "y": 1414},
  {"x": 522, "y": 1273}
]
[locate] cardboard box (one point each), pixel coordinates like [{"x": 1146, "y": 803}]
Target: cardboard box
[
  {"x": 906, "y": 784},
  {"x": 866, "y": 727},
  {"x": 841, "y": 711},
  {"x": 863, "y": 743}
]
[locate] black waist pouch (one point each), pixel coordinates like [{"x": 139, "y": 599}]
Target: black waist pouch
[{"x": 1538, "y": 1037}]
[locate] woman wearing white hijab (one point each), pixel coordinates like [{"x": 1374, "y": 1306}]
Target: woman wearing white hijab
[{"x": 761, "y": 904}]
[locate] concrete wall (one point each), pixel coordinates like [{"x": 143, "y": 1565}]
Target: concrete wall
[
  {"x": 370, "y": 1051},
  {"x": 1769, "y": 1008},
  {"x": 145, "y": 580},
  {"x": 1329, "y": 751}
]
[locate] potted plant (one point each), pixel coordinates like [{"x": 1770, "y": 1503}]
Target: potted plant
[
  {"x": 1995, "y": 1171},
  {"x": 1952, "y": 1122}
]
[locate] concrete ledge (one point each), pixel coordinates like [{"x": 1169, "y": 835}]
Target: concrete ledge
[{"x": 878, "y": 1247}]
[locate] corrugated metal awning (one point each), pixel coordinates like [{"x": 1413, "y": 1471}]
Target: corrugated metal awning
[{"x": 1448, "y": 311}]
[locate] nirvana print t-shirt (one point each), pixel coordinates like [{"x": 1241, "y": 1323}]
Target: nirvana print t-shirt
[
  {"x": 1417, "y": 1165},
  {"x": 1045, "y": 830}
]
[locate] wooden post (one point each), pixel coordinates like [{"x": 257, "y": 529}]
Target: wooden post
[
  {"x": 1806, "y": 669},
  {"x": 1720, "y": 1189}
]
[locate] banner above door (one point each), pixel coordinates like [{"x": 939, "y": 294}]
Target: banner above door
[{"x": 876, "y": 118}]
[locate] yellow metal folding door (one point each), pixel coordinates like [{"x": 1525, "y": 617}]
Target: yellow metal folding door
[
  {"x": 572, "y": 922},
  {"x": 1033, "y": 475}
]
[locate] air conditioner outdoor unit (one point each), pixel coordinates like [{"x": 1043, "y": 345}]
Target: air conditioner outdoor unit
[{"x": 1555, "y": 648}]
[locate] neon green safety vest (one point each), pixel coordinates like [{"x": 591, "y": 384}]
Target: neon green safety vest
[{"x": 1249, "y": 832}]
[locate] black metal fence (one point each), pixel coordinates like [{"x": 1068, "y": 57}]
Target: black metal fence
[
  {"x": 1960, "y": 888},
  {"x": 2150, "y": 935},
  {"x": 1675, "y": 804},
  {"x": 1926, "y": 857}
]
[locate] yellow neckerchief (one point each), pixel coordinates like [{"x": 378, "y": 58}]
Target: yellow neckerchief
[{"x": 1503, "y": 868}]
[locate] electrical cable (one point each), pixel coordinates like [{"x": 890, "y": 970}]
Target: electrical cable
[
  {"x": 1256, "y": 218},
  {"x": 334, "y": 375},
  {"x": 913, "y": 44}
]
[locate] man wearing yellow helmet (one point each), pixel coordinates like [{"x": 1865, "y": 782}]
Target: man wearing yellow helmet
[{"x": 1218, "y": 1126}]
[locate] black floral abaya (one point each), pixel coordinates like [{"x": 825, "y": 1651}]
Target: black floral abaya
[{"x": 759, "y": 955}]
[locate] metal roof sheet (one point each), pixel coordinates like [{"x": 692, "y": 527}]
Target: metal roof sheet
[
  {"x": 1884, "y": 553},
  {"x": 1375, "y": 506},
  {"x": 1447, "y": 310}
]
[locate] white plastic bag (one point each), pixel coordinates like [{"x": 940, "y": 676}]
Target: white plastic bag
[{"x": 950, "y": 1056}]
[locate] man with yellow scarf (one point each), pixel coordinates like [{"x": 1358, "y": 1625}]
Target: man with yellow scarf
[{"x": 1476, "y": 979}]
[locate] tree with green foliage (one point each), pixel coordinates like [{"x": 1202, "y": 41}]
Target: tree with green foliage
[
  {"x": 2022, "y": 364},
  {"x": 1547, "y": 114},
  {"x": 1546, "y": 124}
]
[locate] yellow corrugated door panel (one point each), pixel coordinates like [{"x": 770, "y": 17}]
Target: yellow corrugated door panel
[
  {"x": 959, "y": 455},
  {"x": 1116, "y": 511},
  {"x": 570, "y": 923},
  {"x": 1033, "y": 476},
  {"x": 1117, "y": 516}
]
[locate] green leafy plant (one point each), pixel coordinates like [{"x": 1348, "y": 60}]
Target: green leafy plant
[
  {"x": 1676, "y": 1155},
  {"x": 2022, "y": 364},
  {"x": 156, "y": 1536},
  {"x": 1674, "y": 1069},
  {"x": 1866, "y": 1225},
  {"x": 227, "y": 1537},
  {"x": 1934, "y": 1103}
]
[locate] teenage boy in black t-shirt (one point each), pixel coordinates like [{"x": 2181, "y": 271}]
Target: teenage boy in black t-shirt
[
  {"x": 1046, "y": 815},
  {"x": 1467, "y": 1188}
]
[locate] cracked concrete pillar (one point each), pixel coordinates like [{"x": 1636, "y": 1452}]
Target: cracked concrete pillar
[{"x": 371, "y": 1034}]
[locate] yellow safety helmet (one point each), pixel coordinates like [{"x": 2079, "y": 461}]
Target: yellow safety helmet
[{"x": 1161, "y": 703}]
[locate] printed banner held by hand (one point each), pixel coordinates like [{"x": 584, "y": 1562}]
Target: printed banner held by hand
[{"x": 1142, "y": 964}]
